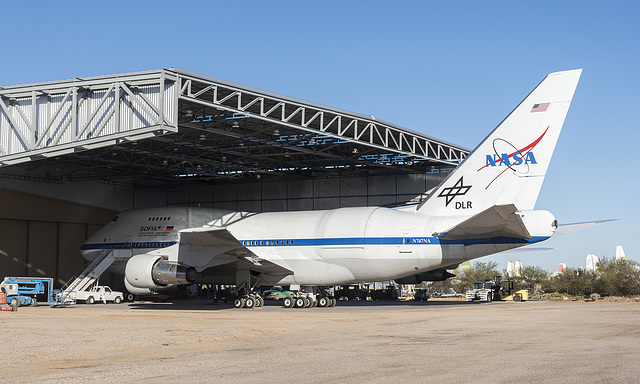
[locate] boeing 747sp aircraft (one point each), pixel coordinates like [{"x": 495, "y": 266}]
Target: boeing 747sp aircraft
[{"x": 486, "y": 205}]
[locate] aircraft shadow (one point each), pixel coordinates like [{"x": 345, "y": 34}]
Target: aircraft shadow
[{"x": 210, "y": 305}]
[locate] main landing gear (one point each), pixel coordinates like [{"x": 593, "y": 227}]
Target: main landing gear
[
  {"x": 247, "y": 297},
  {"x": 310, "y": 297},
  {"x": 251, "y": 300}
]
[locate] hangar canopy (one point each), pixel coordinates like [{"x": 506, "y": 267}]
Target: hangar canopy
[{"x": 168, "y": 127}]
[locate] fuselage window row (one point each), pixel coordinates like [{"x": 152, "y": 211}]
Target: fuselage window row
[
  {"x": 159, "y": 218},
  {"x": 251, "y": 243}
]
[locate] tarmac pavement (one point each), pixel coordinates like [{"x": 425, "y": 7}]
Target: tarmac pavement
[{"x": 449, "y": 341}]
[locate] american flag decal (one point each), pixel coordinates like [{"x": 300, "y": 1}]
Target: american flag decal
[{"x": 540, "y": 107}]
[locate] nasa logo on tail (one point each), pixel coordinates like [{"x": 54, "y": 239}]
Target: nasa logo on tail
[{"x": 508, "y": 156}]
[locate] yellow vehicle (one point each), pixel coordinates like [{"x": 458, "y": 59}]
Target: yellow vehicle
[
  {"x": 495, "y": 290},
  {"x": 507, "y": 293},
  {"x": 521, "y": 295}
]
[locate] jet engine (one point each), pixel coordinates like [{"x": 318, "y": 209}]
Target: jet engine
[
  {"x": 439, "y": 274},
  {"x": 144, "y": 273}
]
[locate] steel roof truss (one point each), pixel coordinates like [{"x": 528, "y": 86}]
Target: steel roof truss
[
  {"x": 281, "y": 111},
  {"x": 14, "y": 125},
  {"x": 47, "y": 119}
]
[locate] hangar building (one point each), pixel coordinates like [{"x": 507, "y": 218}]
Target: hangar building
[{"x": 75, "y": 152}]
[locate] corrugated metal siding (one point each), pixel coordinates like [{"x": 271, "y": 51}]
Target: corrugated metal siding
[{"x": 54, "y": 121}]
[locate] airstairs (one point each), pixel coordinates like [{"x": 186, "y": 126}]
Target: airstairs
[{"x": 89, "y": 275}]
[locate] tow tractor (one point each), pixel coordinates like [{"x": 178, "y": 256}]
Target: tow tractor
[
  {"x": 22, "y": 291},
  {"x": 497, "y": 289},
  {"x": 482, "y": 291}
]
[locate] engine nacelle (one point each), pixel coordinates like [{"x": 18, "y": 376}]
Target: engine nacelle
[
  {"x": 439, "y": 274},
  {"x": 137, "y": 291},
  {"x": 153, "y": 271}
]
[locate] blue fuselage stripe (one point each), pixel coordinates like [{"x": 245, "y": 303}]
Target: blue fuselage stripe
[
  {"x": 346, "y": 241},
  {"x": 132, "y": 245}
]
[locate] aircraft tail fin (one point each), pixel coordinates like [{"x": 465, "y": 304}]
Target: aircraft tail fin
[{"x": 509, "y": 166}]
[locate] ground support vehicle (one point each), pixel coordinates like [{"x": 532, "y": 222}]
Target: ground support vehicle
[
  {"x": 421, "y": 295},
  {"x": 351, "y": 292},
  {"x": 389, "y": 293},
  {"x": 23, "y": 291},
  {"x": 99, "y": 293},
  {"x": 521, "y": 295},
  {"x": 497, "y": 289},
  {"x": 507, "y": 292},
  {"x": 482, "y": 291},
  {"x": 277, "y": 293}
]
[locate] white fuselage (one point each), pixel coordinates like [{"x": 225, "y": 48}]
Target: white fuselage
[{"x": 321, "y": 248}]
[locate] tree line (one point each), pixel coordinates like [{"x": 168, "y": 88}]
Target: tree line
[{"x": 612, "y": 278}]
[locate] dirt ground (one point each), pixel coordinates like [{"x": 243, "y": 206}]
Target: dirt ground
[{"x": 355, "y": 342}]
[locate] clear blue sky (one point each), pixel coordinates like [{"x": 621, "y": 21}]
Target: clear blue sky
[{"x": 452, "y": 70}]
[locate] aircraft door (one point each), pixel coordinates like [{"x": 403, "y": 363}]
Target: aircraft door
[
  {"x": 406, "y": 249},
  {"x": 126, "y": 250}
]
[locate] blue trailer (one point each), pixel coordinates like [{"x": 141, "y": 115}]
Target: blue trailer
[{"x": 22, "y": 291}]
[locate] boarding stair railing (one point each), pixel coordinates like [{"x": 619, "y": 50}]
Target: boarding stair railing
[{"x": 89, "y": 274}]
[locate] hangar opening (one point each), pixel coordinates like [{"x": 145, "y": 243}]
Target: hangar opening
[{"x": 86, "y": 148}]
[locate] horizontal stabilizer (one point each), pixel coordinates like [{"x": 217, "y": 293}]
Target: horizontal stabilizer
[
  {"x": 527, "y": 249},
  {"x": 565, "y": 229},
  {"x": 496, "y": 221}
]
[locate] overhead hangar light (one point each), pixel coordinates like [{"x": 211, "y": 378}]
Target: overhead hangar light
[
  {"x": 188, "y": 113},
  {"x": 235, "y": 124}
]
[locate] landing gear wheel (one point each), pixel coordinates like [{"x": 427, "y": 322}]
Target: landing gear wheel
[
  {"x": 333, "y": 301},
  {"x": 91, "y": 300},
  {"x": 250, "y": 302},
  {"x": 259, "y": 301},
  {"x": 238, "y": 302},
  {"x": 288, "y": 302},
  {"x": 307, "y": 302},
  {"x": 299, "y": 302},
  {"x": 323, "y": 302}
]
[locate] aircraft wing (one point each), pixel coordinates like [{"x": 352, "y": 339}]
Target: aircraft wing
[
  {"x": 496, "y": 221},
  {"x": 209, "y": 247}
]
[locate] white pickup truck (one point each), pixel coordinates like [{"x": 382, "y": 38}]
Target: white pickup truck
[{"x": 97, "y": 293}]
